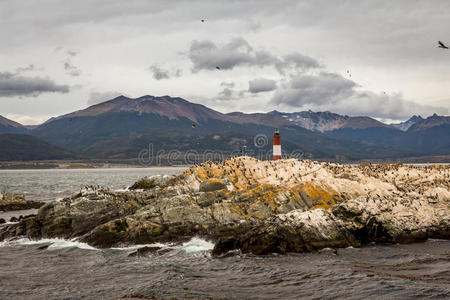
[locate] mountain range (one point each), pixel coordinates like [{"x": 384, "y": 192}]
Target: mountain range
[{"x": 122, "y": 127}]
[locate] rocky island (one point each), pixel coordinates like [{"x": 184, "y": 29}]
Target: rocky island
[
  {"x": 11, "y": 201},
  {"x": 257, "y": 207}
]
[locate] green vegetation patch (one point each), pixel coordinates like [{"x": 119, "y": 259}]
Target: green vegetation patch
[{"x": 143, "y": 184}]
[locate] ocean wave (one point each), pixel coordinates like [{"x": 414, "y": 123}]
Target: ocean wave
[
  {"x": 54, "y": 244},
  {"x": 192, "y": 246},
  {"x": 196, "y": 245},
  {"x": 135, "y": 247},
  {"x": 8, "y": 223}
]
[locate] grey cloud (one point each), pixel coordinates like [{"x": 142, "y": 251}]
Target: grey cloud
[
  {"x": 25, "y": 69},
  {"x": 71, "y": 69},
  {"x": 71, "y": 53},
  {"x": 298, "y": 61},
  {"x": 16, "y": 85},
  {"x": 260, "y": 85},
  {"x": 227, "y": 84},
  {"x": 99, "y": 97},
  {"x": 254, "y": 26},
  {"x": 177, "y": 73},
  {"x": 160, "y": 73},
  {"x": 375, "y": 36},
  {"x": 385, "y": 106},
  {"x": 206, "y": 55},
  {"x": 329, "y": 91},
  {"x": 226, "y": 94},
  {"x": 314, "y": 89}
]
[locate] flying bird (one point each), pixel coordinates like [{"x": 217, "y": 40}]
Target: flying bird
[
  {"x": 217, "y": 67},
  {"x": 203, "y": 21},
  {"x": 441, "y": 45}
]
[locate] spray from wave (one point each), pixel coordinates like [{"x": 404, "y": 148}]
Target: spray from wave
[
  {"x": 54, "y": 244},
  {"x": 192, "y": 246}
]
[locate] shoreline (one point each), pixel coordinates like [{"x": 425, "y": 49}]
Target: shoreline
[
  {"x": 7, "y": 215},
  {"x": 256, "y": 207},
  {"x": 85, "y": 165},
  {"x": 61, "y": 165}
]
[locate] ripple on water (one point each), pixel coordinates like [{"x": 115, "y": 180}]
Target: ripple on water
[{"x": 70, "y": 271}]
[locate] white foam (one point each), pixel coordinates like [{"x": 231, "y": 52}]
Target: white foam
[
  {"x": 55, "y": 243},
  {"x": 196, "y": 245},
  {"x": 8, "y": 223},
  {"x": 192, "y": 246},
  {"x": 135, "y": 247},
  {"x": 437, "y": 240}
]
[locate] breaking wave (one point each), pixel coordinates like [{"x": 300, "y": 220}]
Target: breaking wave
[{"x": 192, "y": 246}]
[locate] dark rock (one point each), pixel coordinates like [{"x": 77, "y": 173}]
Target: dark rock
[
  {"x": 2, "y": 221},
  {"x": 43, "y": 247},
  {"x": 144, "y": 251},
  {"x": 206, "y": 199},
  {"x": 328, "y": 251},
  {"x": 26, "y": 217},
  {"x": 11, "y": 202},
  {"x": 211, "y": 186}
]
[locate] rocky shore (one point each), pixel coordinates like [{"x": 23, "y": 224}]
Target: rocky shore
[
  {"x": 257, "y": 207},
  {"x": 10, "y": 202}
]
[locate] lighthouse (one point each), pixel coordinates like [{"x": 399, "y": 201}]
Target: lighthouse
[{"x": 276, "y": 145}]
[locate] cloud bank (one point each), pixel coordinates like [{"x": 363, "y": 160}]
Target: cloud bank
[
  {"x": 16, "y": 85},
  {"x": 260, "y": 85},
  {"x": 206, "y": 55},
  {"x": 330, "y": 91}
]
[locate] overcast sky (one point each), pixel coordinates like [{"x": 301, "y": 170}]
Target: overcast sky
[{"x": 376, "y": 58}]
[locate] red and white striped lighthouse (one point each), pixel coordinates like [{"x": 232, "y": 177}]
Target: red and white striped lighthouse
[{"x": 276, "y": 145}]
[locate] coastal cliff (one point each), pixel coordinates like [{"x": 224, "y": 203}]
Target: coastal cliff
[{"x": 257, "y": 207}]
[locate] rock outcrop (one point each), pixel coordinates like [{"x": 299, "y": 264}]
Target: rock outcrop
[
  {"x": 10, "y": 201},
  {"x": 258, "y": 207}
]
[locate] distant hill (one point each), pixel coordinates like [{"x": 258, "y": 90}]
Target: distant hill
[
  {"x": 430, "y": 122},
  {"x": 259, "y": 118},
  {"x": 9, "y": 126},
  {"x": 327, "y": 121},
  {"x": 122, "y": 127},
  {"x": 405, "y": 125},
  {"x": 122, "y": 123},
  {"x": 427, "y": 136},
  {"x": 221, "y": 142},
  {"x": 22, "y": 147}
]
